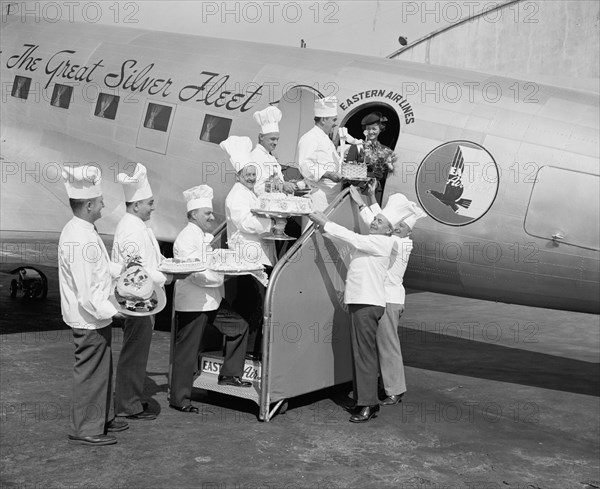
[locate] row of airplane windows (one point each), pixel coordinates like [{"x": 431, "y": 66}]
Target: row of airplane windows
[{"x": 214, "y": 128}]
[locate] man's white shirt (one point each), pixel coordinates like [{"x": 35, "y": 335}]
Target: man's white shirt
[
  {"x": 242, "y": 222},
  {"x": 394, "y": 286},
  {"x": 369, "y": 263},
  {"x": 317, "y": 155},
  {"x": 266, "y": 167},
  {"x": 85, "y": 275},
  {"x": 134, "y": 238},
  {"x": 200, "y": 291}
]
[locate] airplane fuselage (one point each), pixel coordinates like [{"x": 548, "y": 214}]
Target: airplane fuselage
[{"x": 110, "y": 96}]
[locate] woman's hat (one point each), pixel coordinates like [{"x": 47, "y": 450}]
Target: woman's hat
[{"x": 372, "y": 118}]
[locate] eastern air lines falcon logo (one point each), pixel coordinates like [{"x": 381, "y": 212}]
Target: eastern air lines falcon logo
[{"x": 457, "y": 183}]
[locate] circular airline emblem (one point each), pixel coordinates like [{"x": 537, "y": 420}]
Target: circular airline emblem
[{"x": 457, "y": 183}]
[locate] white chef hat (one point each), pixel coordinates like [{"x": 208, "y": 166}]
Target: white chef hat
[
  {"x": 238, "y": 148},
  {"x": 198, "y": 197},
  {"x": 82, "y": 182},
  {"x": 326, "y": 107},
  {"x": 136, "y": 187},
  {"x": 399, "y": 209},
  {"x": 412, "y": 219},
  {"x": 268, "y": 119}
]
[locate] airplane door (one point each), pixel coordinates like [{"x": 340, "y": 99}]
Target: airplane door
[
  {"x": 389, "y": 137},
  {"x": 559, "y": 202},
  {"x": 297, "y": 118}
]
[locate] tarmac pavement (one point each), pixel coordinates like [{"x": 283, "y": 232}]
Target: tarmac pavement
[{"x": 499, "y": 396}]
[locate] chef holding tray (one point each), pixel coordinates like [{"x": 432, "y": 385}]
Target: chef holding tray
[
  {"x": 248, "y": 230},
  {"x": 241, "y": 199},
  {"x": 198, "y": 301}
]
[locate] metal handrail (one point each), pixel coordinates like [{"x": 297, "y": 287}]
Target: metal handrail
[
  {"x": 264, "y": 402},
  {"x": 266, "y": 340},
  {"x": 218, "y": 231}
]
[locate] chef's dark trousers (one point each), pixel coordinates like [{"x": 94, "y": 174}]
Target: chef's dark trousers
[
  {"x": 363, "y": 331},
  {"x": 131, "y": 369},
  {"x": 190, "y": 328},
  {"x": 249, "y": 303},
  {"x": 92, "y": 405}
]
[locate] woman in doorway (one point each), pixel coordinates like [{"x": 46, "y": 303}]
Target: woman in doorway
[{"x": 380, "y": 159}]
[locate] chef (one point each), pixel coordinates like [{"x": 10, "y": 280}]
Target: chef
[
  {"x": 245, "y": 228},
  {"x": 318, "y": 159},
  {"x": 388, "y": 342},
  {"x": 198, "y": 302},
  {"x": 365, "y": 297},
  {"x": 241, "y": 222},
  {"x": 85, "y": 277},
  {"x": 133, "y": 238},
  {"x": 267, "y": 167}
]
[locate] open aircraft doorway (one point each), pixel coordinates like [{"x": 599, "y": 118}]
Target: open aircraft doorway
[
  {"x": 296, "y": 107},
  {"x": 389, "y": 137}
]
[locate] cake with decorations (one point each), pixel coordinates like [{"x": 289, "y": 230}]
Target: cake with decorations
[
  {"x": 280, "y": 202},
  {"x": 175, "y": 265},
  {"x": 353, "y": 170},
  {"x": 135, "y": 290},
  {"x": 228, "y": 260}
]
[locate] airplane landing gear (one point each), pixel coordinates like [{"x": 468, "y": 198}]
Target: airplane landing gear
[
  {"x": 14, "y": 288},
  {"x": 31, "y": 282}
]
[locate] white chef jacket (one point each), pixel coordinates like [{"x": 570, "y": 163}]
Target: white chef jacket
[
  {"x": 266, "y": 166},
  {"x": 368, "y": 266},
  {"x": 394, "y": 287},
  {"x": 85, "y": 277},
  {"x": 317, "y": 155},
  {"x": 133, "y": 237},
  {"x": 200, "y": 291},
  {"x": 238, "y": 203}
]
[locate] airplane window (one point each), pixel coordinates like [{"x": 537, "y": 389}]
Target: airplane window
[
  {"x": 61, "y": 96},
  {"x": 20, "y": 88},
  {"x": 106, "y": 106},
  {"x": 157, "y": 117},
  {"x": 215, "y": 129}
]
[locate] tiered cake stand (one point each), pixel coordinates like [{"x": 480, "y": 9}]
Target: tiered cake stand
[{"x": 278, "y": 230}]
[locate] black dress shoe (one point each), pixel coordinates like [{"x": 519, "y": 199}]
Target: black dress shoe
[
  {"x": 115, "y": 425},
  {"x": 94, "y": 441},
  {"x": 391, "y": 400},
  {"x": 233, "y": 381},
  {"x": 349, "y": 405},
  {"x": 186, "y": 409},
  {"x": 364, "y": 414},
  {"x": 143, "y": 416}
]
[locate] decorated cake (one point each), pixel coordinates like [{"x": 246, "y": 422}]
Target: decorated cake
[
  {"x": 175, "y": 265},
  {"x": 352, "y": 170},
  {"x": 280, "y": 202},
  {"x": 135, "y": 289},
  {"x": 226, "y": 260}
]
